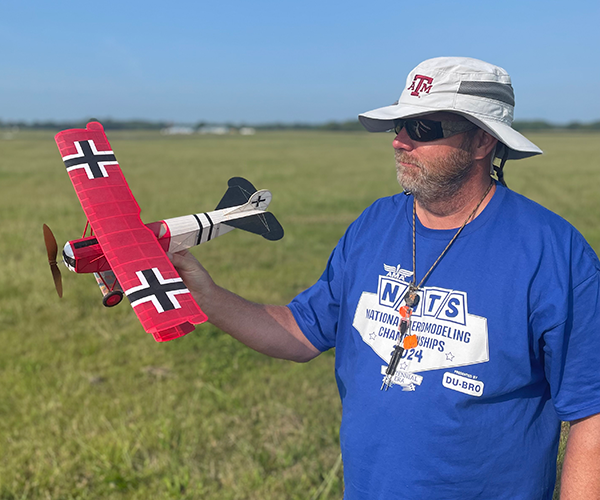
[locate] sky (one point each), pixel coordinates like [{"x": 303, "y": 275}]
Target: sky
[{"x": 262, "y": 61}]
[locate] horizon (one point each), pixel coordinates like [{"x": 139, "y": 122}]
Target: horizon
[{"x": 198, "y": 124}]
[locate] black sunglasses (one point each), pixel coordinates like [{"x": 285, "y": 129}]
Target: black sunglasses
[{"x": 430, "y": 130}]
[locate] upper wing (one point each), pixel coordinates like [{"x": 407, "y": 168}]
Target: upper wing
[{"x": 157, "y": 294}]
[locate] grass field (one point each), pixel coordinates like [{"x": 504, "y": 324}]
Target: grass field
[{"x": 91, "y": 407}]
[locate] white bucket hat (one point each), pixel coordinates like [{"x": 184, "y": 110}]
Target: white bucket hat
[{"x": 479, "y": 91}]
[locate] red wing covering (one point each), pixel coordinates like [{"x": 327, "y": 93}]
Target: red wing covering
[{"x": 157, "y": 294}]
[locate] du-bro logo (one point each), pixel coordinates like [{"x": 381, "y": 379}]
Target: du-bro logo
[
  {"x": 463, "y": 384},
  {"x": 420, "y": 84}
]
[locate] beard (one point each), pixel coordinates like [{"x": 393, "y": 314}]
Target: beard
[{"x": 438, "y": 179}]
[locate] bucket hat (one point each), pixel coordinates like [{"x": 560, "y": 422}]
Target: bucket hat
[{"x": 479, "y": 91}]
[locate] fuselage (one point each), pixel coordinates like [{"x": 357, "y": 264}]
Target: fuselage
[{"x": 85, "y": 255}]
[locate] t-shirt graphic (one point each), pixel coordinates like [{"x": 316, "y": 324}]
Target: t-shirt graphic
[{"x": 448, "y": 336}]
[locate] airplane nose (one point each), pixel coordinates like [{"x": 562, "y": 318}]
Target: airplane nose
[{"x": 69, "y": 257}]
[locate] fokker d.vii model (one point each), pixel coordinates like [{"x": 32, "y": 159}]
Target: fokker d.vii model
[{"x": 128, "y": 257}]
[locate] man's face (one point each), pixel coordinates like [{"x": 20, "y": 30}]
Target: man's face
[{"x": 433, "y": 171}]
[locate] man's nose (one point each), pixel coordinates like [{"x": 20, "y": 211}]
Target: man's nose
[{"x": 403, "y": 141}]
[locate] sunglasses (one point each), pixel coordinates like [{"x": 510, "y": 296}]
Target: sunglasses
[{"x": 430, "y": 130}]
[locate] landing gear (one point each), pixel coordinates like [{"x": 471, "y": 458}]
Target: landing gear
[{"x": 113, "y": 298}]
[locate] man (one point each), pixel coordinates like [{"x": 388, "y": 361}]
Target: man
[{"x": 477, "y": 308}]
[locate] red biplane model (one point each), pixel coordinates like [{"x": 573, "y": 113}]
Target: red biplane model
[{"x": 128, "y": 257}]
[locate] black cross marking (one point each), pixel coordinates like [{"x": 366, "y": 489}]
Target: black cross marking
[
  {"x": 89, "y": 158},
  {"x": 258, "y": 201},
  {"x": 154, "y": 288}
]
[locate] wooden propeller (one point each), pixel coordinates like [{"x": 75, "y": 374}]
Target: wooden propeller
[{"x": 52, "y": 249}]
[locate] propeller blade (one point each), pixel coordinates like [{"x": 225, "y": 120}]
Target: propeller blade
[
  {"x": 51, "y": 246},
  {"x": 57, "y": 279},
  {"x": 52, "y": 249}
]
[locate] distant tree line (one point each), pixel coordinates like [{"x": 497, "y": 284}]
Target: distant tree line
[
  {"x": 344, "y": 126},
  {"x": 543, "y": 125},
  {"x": 108, "y": 123}
]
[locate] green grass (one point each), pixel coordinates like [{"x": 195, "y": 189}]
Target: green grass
[{"x": 91, "y": 407}]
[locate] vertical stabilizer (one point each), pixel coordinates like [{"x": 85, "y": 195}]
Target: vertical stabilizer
[{"x": 239, "y": 192}]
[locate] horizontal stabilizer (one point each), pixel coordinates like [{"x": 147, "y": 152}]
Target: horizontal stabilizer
[
  {"x": 239, "y": 192},
  {"x": 264, "y": 224}
]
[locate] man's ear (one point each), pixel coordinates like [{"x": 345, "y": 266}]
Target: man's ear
[{"x": 483, "y": 143}]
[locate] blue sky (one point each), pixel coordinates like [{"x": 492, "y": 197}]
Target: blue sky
[{"x": 263, "y": 61}]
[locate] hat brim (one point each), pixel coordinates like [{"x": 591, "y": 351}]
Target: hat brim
[{"x": 382, "y": 120}]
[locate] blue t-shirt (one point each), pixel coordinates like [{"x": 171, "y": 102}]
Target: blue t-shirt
[{"x": 508, "y": 330}]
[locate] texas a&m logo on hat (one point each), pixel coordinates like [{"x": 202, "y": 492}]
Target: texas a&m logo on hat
[{"x": 420, "y": 84}]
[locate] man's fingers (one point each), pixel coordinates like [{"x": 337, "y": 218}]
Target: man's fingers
[
  {"x": 184, "y": 260},
  {"x": 191, "y": 271}
]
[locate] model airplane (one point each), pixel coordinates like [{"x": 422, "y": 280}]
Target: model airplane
[{"x": 128, "y": 257}]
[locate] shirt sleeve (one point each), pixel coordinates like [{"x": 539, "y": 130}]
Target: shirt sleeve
[
  {"x": 316, "y": 310},
  {"x": 572, "y": 354}
]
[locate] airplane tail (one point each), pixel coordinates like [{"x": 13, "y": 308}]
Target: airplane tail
[
  {"x": 242, "y": 192},
  {"x": 239, "y": 192}
]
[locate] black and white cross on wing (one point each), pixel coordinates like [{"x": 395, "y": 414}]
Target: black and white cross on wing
[
  {"x": 156, "y": 289},
  {"x": 89, "y": 158}
]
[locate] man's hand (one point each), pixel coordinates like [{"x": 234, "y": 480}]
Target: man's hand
[
  {"x": 195, "y": 277},
  {"x": 269, "y": 329}
]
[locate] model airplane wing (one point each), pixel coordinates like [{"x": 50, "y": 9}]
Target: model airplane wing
[{"x": 160, "y": 299}]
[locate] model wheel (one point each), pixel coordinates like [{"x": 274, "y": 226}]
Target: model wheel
[{"x": 113, "y": 298}]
